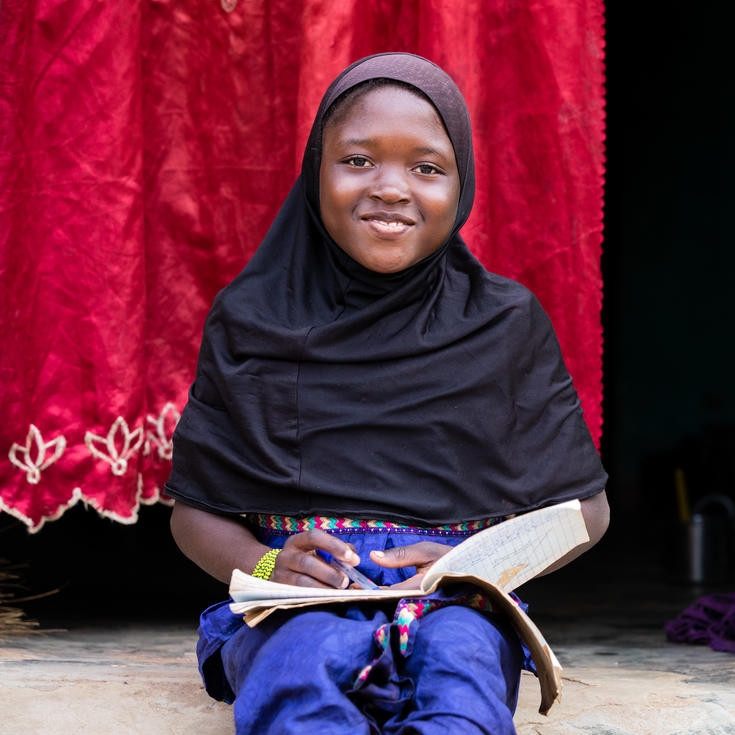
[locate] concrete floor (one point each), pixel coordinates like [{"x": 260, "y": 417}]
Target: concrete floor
[
  {"x": 621, "y": 677},
  {"x": 142, "y": 679}
]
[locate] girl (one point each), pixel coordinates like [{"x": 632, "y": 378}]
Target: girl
[{"x": 367, "y": 389}]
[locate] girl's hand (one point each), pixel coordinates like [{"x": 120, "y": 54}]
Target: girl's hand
[
  {"x": 421, "y": 555},
  {"x": 299, "y": 564}
]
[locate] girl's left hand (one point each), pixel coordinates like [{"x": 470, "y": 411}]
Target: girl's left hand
[{"x": 421, "y": 555}]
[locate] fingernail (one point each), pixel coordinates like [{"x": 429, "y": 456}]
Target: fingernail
[
  {"x": 379, "y": 554},
  {"x": 352, "y": 557}
]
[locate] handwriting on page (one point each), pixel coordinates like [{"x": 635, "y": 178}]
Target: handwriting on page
[{"x": 518, "y": 549}]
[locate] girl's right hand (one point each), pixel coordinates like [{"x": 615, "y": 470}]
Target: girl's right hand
[{"x": 300, "y": 564}]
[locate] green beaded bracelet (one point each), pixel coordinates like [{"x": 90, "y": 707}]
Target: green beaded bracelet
[{"x": 266, "y": 564}]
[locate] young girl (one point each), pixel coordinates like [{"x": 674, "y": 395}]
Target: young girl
[{"x": 367, "y": 389}]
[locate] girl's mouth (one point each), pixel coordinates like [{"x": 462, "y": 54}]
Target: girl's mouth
[{"x": 388, "y": 225}]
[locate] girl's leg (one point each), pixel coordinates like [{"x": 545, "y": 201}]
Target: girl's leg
[
  {"x": 466, "y": 670},
  {"x": 292, "y": 680}
]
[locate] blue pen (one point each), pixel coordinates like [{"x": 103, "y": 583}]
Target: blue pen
[{"x": 352, "y": 574}]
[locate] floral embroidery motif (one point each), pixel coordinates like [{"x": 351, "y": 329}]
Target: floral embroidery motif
[
  {"x": 162, "y": 432},
  {"x": 22, "y": 457},
  {"x": 119, "y": 435}
]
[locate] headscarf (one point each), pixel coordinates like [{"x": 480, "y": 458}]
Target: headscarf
[{"x": 434, "y": 395}]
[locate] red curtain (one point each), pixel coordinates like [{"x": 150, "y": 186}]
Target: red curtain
[{"x": 144, "y": 149}]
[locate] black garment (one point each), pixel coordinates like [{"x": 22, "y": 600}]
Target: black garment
[{"x": 434, "y": 395}]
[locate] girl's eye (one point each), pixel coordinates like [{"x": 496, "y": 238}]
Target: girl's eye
[
  {"x": 358, "y": 161},
  {"x": 427, "y": 168}
]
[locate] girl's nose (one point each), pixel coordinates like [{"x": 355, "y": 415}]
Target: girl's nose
[{"x": 390, "y": 185}]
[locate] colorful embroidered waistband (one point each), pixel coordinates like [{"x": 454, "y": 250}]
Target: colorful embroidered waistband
[{"x": 290, "y": 524}]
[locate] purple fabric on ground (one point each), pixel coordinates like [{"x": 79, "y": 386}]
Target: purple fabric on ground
[{"x": 710, "y": 620}]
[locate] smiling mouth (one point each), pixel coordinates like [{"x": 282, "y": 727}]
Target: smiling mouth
[{"x": 388, "y": 225}]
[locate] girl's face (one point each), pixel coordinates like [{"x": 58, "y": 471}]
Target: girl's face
[{"x": 389, "y": 185}]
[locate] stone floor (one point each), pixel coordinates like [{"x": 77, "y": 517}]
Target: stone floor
[
  {"x": 142, "y": 679},
  {"x": 604, "y": 620}
]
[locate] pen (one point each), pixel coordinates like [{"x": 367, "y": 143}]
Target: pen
[{"x": 352, "y": 574}]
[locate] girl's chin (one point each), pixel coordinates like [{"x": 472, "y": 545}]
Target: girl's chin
[{"x": 385, "y": 263}]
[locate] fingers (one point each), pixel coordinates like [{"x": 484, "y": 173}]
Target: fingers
[
  {"x": 316, "y": 540},
  {"x": 299, "y": 562},
  {"x": 419, "y": 555}
]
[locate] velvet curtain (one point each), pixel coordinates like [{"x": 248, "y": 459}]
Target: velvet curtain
[{"x": 144, "y": 149}]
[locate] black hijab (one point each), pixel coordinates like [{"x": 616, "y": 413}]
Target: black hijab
[{"x": 434, "y": 395}]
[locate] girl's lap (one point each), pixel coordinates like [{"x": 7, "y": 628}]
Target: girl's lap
[
  {"x": 463, "y": 666},
  {"x": 364, "y": 663}
]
